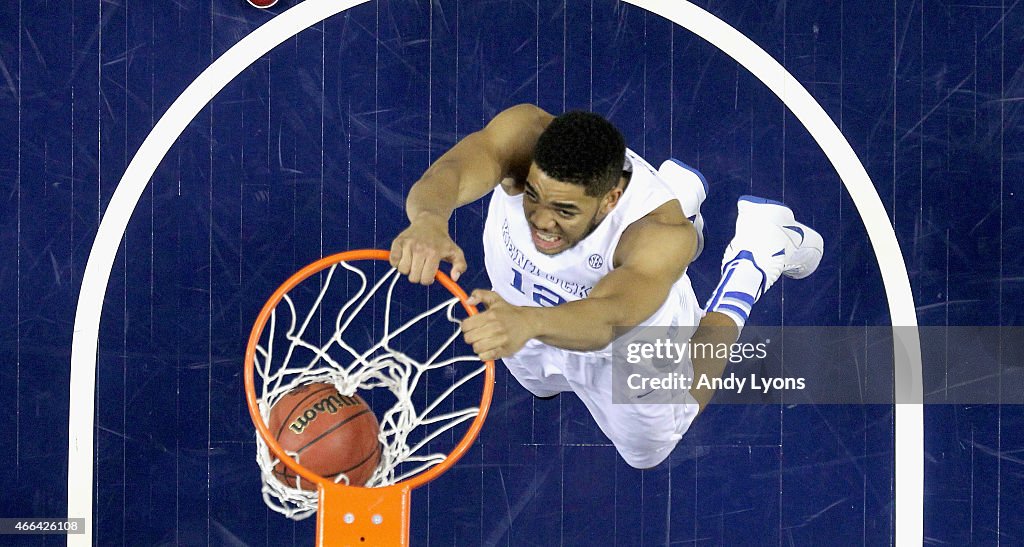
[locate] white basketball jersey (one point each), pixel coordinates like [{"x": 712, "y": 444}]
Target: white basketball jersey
[{"x": 524, "y": 276}]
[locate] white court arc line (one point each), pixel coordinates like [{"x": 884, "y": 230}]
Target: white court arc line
[
  {"x": 909, "y": 438},
  {"x": 197, "y": 95}
]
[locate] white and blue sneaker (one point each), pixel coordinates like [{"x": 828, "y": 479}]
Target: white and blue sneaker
[
  {"x": 768, "y": 244},
  {"x": 691, "y": 190},
  {"x": 779, "y": 245}
]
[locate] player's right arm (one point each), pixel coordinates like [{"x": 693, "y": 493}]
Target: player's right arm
[{"x": 468, "y": 171}]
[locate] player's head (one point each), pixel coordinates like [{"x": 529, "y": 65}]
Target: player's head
[
  {"x": 582, "y": 148},
  {"x": 574, "y": 181}
]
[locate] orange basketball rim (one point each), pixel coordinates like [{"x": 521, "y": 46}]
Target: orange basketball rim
[{"x": 351, "y": 515}]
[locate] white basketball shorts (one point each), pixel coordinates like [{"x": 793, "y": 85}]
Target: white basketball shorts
[{"x": 643, "y": 434}]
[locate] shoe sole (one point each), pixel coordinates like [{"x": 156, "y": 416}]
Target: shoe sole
[
  {"x": 700, "y": 176},
  {"x": 698, "y": 219}
]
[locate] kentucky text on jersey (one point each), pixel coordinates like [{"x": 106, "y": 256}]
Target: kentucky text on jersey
[{"x": 520, "y": 260}]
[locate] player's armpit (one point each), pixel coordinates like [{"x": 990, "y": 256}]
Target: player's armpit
[
  {"x": 650, "y": 258},
  {"x": 663, "y": 240}
]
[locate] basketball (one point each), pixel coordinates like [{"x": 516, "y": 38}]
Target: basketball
[{"x": 330, "y": 432}]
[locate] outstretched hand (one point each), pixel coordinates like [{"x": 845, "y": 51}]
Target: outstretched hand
[
  {"x": 499, "y": 331},
  {"x": 419, "y": 249}
]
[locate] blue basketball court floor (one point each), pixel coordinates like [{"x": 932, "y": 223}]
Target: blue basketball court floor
[{"x": 311, "y": 149}]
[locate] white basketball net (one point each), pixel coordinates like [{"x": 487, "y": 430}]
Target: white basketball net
[{"x": 336, "y": 361}]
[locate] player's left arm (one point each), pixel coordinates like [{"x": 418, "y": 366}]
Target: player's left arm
[{"x": 650, "y": 257}]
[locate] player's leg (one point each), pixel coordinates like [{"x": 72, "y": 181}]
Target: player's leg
[
  {"x": 646, "y": 429},
  {"x": 643, "y": 433},
  {"x": 769, "y": 243},
  {"x": 715, "y": 330}
]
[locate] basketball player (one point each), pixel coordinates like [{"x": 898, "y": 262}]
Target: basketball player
[{"x": 583, "y": 236}]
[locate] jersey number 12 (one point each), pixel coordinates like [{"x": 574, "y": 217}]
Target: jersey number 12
[{"x": 542, "y": 295}]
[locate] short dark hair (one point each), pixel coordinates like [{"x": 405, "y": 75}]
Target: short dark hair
[{"x": 582, "y": 148}]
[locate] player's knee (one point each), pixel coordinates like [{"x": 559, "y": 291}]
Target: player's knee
[
  {"x": 645, "y": 435},
  {"x": 645, "y": 459},
  {"x": 644, "y": 448}
]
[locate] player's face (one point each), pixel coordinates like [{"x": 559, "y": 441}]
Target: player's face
[{"x": 561, "y": 214}]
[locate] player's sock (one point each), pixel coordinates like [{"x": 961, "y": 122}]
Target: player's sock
[{"x": 742, "y": 284}]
